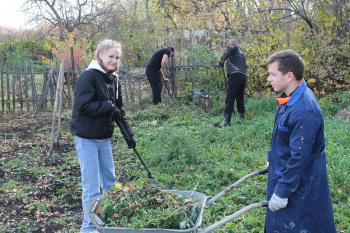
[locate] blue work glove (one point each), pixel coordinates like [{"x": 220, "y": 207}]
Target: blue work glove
[
  {"x": 221, "y": 64},
  {"x": 277, "y": 203}
]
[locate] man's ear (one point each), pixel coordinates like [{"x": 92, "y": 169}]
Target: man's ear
[{"x": 291, "y": 76}]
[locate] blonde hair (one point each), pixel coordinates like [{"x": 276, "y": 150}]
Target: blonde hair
[{"x": 103, "y": 47}]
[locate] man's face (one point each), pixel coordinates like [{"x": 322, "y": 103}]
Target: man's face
[{"x": 279, "y": 81}]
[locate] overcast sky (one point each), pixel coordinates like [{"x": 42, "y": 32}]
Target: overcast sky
[{"x": 11, "y": 16}]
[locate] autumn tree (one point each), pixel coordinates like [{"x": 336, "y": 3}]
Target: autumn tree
[{"x": 69, "y": 15}]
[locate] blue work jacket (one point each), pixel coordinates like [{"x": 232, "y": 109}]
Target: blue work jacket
[{"x": 297, "y": 168}]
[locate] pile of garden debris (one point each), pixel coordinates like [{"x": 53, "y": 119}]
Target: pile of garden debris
[
  {"x": 344, "y": 114},
  {"x": 142, "y": 206}
]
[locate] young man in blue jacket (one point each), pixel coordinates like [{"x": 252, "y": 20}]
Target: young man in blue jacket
[{"x": 297, "y": 186}]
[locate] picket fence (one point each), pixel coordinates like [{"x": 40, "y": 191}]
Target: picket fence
[{"x": 25, "y": 90}]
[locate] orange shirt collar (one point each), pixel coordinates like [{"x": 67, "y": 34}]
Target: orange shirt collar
[{"x": 284, "y": 100}]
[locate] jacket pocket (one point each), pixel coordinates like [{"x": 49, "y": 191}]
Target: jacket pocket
[{"x": 282, "y": 136}]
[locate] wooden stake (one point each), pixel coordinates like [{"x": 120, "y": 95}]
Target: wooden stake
[{"x": 57, "y": 102}]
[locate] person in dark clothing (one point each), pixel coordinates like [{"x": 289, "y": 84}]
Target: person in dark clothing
[
  {"x": 297, "y": 184},
  {"x": 237, "y": 79},
  {"x": 97, "y": 105},
  {"x": 155, "y": 68}
]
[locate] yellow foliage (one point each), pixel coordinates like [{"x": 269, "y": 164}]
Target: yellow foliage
[
  {"x": 333, "y": 19},
  {"x": 306, "y": 51}
]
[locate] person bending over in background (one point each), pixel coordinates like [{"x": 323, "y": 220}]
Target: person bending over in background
[
  {"x": 237, "y": 78},
  {"x": 297, "y": 184},
  {"x": 98, "y": 103},
  {"x": 155, "y": 68}
]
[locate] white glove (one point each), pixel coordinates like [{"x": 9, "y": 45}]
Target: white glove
[
  {"x": 277, "y": 203},
  {"x": 267, "y": 164}
]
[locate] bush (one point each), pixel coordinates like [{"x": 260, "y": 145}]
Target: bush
[{"x": 332, "y": 103}]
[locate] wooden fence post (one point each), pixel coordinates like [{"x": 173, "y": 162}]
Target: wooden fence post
[
  {"x": 26, "y": 85},
  {"x": 192, "y": 70},
  {"x": 51, "y": 82},
  {"x": 58, "y": 104},
  {"x": 34, "y": 94},
  {"x": 125, "y": 89},
  {"x": 45, "y": 81},
  {"x": 139, "y": 89},
  {"x": 2, "y": 87},
  {"x": 79, "y": 69},
  {"x": 172, "y": 74},
  {"x": 20, "y": 99},
  {"x": 131, "y": 90},
  {"x": 69, "y": 81},
  {"x": 14, "y": 81},
  {"x": 69, "y": 88},
  {"x": 8, "y": 86},
  {"x": 44, "y": 95}
]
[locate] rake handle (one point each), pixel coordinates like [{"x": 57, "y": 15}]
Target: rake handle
[
  {"x": 165, "y": 84},
  {"x": 127, "y": 137},
  {"x": 223, "y": 72}
]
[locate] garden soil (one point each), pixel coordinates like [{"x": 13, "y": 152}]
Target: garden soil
[{"x": 37, "y": 193}]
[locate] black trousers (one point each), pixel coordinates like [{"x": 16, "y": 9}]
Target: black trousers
[
  {"x": 155, "y": 81},
  {"x": 235, "y": 92}
]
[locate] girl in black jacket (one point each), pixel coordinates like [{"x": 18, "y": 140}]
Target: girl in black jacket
[{"x": 98, "y": 104}]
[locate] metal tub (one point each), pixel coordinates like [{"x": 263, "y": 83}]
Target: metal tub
[{"x": 201, "y": 198}]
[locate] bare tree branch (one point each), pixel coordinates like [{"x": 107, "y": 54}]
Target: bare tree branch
[{"x": 68, "y": 15}]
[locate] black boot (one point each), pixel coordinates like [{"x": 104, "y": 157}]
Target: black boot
[
  {"x": 227, "y": 120},
  {"x": 241, "y": 118}
]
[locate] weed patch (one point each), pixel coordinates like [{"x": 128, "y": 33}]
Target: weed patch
[{"x": 182, "y": 148}]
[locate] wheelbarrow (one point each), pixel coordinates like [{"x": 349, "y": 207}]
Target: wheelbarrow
[{"x": 201, "y": 198}]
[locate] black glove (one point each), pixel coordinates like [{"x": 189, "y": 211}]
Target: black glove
[
  {"x": 131, "y": 143},
  {"x": 221, "y": 64},
  {"x": 116, "y": 115}
]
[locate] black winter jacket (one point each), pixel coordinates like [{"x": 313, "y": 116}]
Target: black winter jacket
[
  {"x": 235, "y": 60},
  {"x": 95, "y": 93}
]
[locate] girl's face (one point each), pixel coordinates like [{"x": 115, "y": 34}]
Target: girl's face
[{"x": 110, "y": 59}]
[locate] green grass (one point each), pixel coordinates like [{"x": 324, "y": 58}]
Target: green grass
[{"x": 184, "y": 150}]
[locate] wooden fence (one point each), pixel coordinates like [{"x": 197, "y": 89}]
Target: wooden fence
[{"x": 24, "y": 89}]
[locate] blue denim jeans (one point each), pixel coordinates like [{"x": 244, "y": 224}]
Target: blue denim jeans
[{"x": 97, "y": 173}]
